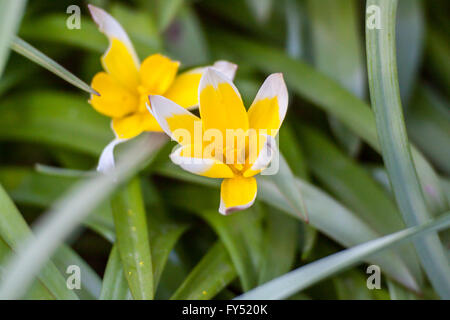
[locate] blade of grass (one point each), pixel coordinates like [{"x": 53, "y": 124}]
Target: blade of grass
[
  {"x": 352, "y": 185},
  {"x": 285, "y": 181},
  {"x": 115, "y": 285},
  {"x": 428, "y": 119},
  {"x": 14, "y": 230},
  {"x": 10, "y": 15},
  {"x": 38, "y": 290},
  {"x": 337, "y": 52},
  {"x": 329, "y": 96},
  {"x": 25, "y": 49},
  {"x": 68, "y": 212},
  {"x": 56, "y": 119},
  {"x": 132, "y": 239},
  {"x": 280, "y": 245},
  {"x": 212, "y": 274},
  {"x": 31, "y": 188},
  {"x": 410, "y": 44},
  {"x": 386, "y": 103},
  {"x": 314, "y": 272},
  {"x": 90, "y": 281},
  {"x": 241, "y": 233},
  {"x": 326, "y": 214}
]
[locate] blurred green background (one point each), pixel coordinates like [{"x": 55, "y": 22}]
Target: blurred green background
[{"x": 319, "y": 45}]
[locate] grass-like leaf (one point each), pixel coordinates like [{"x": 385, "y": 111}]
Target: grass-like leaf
[
  {"x": 67, "y": 213},
  {"x": 132, "y": 239},
  {"x": 10, "y": 15},
  {"x": 335, "y": 37},
  {"x": 312, "y": 273},
  {"x": 214, "y": 271},
  {"x": 28, "y": 51},
  {"x": 386, "y": 103},
  {"x": 13, "y": 231},
  {"x": 325, "y": 213},
  {"x": 115, "y": 285}
]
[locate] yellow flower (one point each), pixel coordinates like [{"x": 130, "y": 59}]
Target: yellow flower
[
  {"x": 125, "y": 84},
  {"x": 224, "y": 117}
]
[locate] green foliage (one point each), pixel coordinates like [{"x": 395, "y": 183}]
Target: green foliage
[{"x": 153, "y": 231}]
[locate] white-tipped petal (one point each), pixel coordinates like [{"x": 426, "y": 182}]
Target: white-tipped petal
[
  {"x": 171, "y": 117},
  {"x": 227, "y": 68},
  {"x": 106, "y": 162},
  {"x": 112, "y": 29},
  {"x": 237, "y": 194},
  {"x": 185, "y": 157}
]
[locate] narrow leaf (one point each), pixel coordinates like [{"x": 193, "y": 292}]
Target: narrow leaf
[
  {"x": 213, "y": 273},
  {"x": 386, "y": 103},
  {"x": 28, "y": 51},
  {"x": 314, "y": 272},
  {"x": 10, "y": 15}
]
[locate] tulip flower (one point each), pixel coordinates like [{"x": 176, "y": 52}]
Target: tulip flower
[
  {"x": 125, "y": 84},
  {"x": 224, "y": 117}
]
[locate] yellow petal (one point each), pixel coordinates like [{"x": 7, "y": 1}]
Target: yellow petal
[
  {"x": 237, "y": 194},
  {"x": 177, "y": 122},
  {"x": 184, "y": 90},
  {"x": 119, "y": 63},
  {"x": 221, "y": 104},
  {"x": 113, "y": 30},
  {"x": 191, "y": 159},
  {"x": 270, "y": 105},
  {"x": 131, "y": 126},
  {"x": 157, "y": 73},
  {"x": 114, "y": 100}
]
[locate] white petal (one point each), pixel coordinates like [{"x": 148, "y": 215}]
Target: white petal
[
  {"x": 106, "y": 162},
  {"x": 191, "y": 164},
  {"x": 112, "y": 29},
  {"x": 266, "y": 154},
  {"x": 226, "y": 211},
  {"x": 274, "y": 86},
  {"x": 227, "y": 68},
  {"x": 163, "y": 108},
  {"x": 213, "y": 77}
]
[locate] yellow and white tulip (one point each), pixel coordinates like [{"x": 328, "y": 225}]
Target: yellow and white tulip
[
  {"x": 126, "y": 83},
  {"x": 222, "y": 114}
]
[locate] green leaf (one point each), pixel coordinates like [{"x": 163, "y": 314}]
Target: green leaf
[
  {"x": 185, "y": 39},
  {"x": 166, "y": 12},
  {"x": 314, "y": 272},
  {"x": 53, "y": 28},
  {"x": 38, "y": 290},
  {"x": 325, "y": 213},
  {"x": 56, "y": 119},
  {"x": 261, "y": 9},
  {"x": 285, "y": 181},
  {"x": 115, "y": 285},
  {"x": 90, "y": 281},
  {"x": 10, "y": 15},
  {"x": 28, "y": 51},
  {"x": 355, "y": 188},
  {"x": 427, "y": 119},
  {"x": 212, "y": 274},
  {"x": 241, "y": 233},
  {"x": 280, "y": 245},
  {"x": 132, "y": 239},
  {"x": 329, "y": 96},
  {"x": 336, "y": 38},
  {"x": 386, "y": 103},
  {"x": 410, "y": 44},
  {"x": 14, "y": 231},
  {"x": 69, "y": 211}
]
